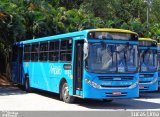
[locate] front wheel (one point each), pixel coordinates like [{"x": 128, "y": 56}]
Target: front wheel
[{"x": 65, "y": 94}]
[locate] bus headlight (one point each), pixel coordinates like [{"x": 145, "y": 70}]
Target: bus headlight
[
  {"x": 93, "y": 84},
  {"x": 134, "y": 85},
  {"x": 154, "y": 81}
]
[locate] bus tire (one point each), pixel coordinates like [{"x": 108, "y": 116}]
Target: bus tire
[
  {"x": 27, "y": 85},
  {"x": 65, "y": 94}
]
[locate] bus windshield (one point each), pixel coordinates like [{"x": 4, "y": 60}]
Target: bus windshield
[
  {"x": 112, "y": 58},
  {"x": 148, "y": 60}
]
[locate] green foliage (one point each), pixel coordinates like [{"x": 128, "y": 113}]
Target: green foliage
[{"x": 27, "y": 19}]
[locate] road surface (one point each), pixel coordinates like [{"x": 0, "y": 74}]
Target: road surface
[{"x": 15, "y": 99}]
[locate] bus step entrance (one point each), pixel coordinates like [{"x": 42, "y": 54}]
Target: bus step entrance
[{"x": 79, "y": 92}]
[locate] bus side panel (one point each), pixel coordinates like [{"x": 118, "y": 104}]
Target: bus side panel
[
  {"x": 56, "y": 72},
  {"x": 47, "y": 76}
]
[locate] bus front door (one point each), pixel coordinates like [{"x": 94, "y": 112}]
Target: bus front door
[{"x": 78, "y": 67}]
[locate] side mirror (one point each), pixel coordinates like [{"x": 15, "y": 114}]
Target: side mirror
[{"x": 85, "y": 50}]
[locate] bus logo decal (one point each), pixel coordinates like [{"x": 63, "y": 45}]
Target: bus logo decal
[{"x": 56, "y": 70}]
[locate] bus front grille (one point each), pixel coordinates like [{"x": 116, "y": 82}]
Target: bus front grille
[
  {"x": 117, "y": 86},
  {"x": 115, "y": 78},
  {"x": 144, "y": 81},
  {"x": 146, "y": 75}
]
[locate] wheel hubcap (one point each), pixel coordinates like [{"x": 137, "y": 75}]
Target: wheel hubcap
[{"x": 66, "y": 93}]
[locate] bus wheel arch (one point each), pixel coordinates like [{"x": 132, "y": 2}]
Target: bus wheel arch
[{"x": 64, "y": 93}]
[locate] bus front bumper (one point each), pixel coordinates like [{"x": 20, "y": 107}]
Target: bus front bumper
[
  {"x": 110, "y": 93},
  {"x": 151, "y": 86}
]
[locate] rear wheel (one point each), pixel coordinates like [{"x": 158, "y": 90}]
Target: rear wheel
[
  {"x": 65, "y": 94},
  {"x": 27, "y": 85}
]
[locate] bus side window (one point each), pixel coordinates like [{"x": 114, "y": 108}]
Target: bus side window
[
  {"x": 54, "y": 50},
  {"x": 43, "y": 55},
  {"x": 34, "y": 52},
  {"x": 66, "y": 50},
  {"x": 27, "y": 49}
]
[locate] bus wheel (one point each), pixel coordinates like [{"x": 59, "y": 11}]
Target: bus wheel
[
  {"x": 107, "y": 100},
  {"x": 27, "y": 85},
  {"x": 65, "y": 94}
]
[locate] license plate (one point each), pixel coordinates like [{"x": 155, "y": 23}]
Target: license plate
[
  {"x": 141, "y": 87},
  {"x": 116, "y": 78},
  {"x": 116, "y": 93}
]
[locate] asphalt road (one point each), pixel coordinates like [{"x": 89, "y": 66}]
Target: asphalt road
[{"x": 15, "y": 99}]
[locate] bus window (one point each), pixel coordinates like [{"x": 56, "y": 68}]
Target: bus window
[
  {"x": 26, "y": 56},
  {"x": 27, "y": 52},
  {"x": 54, "y": 51},
  {"x": 34, "y": 52},
  {"x": 53, "y": 56},
  {"x": 54, "y": 46},
  {"x": 66, "y": 50},
  {"x": 43, "y": 56},
  {"x": 27, "y": 48}
]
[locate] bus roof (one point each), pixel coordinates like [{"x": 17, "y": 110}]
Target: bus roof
[
  {"x": 113, "y": 30},
  {"x": 60, "y": 36},
  {"x": 74, "y": 34},
  {"x": 147, "y": 39}
]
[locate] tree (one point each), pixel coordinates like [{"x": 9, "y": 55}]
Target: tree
[{"x": 28, "y": 19}]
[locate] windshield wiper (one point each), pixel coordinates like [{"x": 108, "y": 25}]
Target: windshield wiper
[{"x": 144, "y": 53}]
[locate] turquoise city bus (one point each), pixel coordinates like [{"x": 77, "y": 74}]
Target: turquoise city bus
[
  {"x": 94, "y": 64},
  {"x": 158, "y": 64},
  {"x": 148, "y": 65}
]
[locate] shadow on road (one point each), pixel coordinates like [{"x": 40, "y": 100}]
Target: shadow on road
[
  {"x": 145, "y": 101},
  {"x": 149, "y": 95},
  {"x": 47, "y": 94},
  {"x": 4, "y": 91},
  {"x": 120, "y": 104}
]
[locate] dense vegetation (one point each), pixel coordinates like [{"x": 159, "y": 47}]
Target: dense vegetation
[{"x": 27, "y": 19}]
